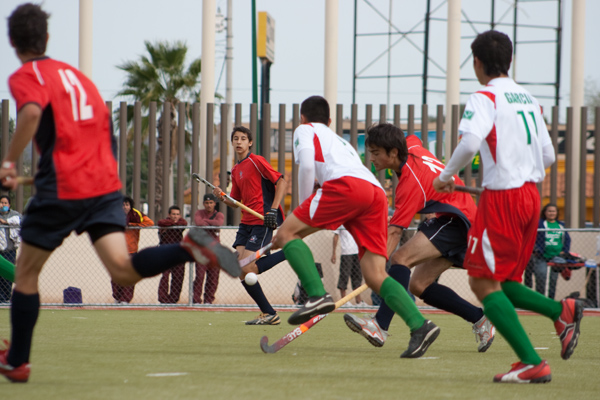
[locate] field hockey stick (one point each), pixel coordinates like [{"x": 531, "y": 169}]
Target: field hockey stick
[
  {"x": 278, "y": 345},
  {"x": 468, "y": 189},
  {"x": 231, "y": 199},
  {"x": 255, "y": 256},
  {"x": 21, "y": 180}
]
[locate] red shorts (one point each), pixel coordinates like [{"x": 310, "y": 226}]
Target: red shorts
[
  {"x": 355, "y": 203},
  {"x": 502, "y": 237}
]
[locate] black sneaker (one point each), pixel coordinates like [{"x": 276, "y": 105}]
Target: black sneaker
[
  {"x": 421, "y": 339},
  {"x": 314, "y": 306},
  {"x": 265, "y": 319}
]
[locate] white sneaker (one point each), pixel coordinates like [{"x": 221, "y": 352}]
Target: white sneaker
[
  {"x": 362, "y": 304},
  {"x": 347, "y": 305},
  {"x": 368, "y": 328},
  {"x": 484, "y": 333}
]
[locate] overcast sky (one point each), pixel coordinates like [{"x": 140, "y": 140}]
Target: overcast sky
[{"x": 122, "y": 26}]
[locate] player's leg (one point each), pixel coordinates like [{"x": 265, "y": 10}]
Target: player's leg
[
  {"x": 199, "y": 283},
  {"x": 163, "y": 287},
  {"x": 355, "y": 276},
  {"x": 342, "y": 284},
  {"x": 423, "y": 332},
  {"x": 177, "y": 276},
  {"x": 24, "y": 311},
  {"x": 249, "y": 239},
  {"x": 212, "y": 282},
  {"x": 499, "y": 234}
]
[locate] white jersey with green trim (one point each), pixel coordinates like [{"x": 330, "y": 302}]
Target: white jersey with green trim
[{"x": 509, "y": 121}]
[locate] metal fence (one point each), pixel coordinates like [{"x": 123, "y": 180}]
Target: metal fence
[
  {"x": 75, "y": 264},
  {"x": 155, "y": 168}
]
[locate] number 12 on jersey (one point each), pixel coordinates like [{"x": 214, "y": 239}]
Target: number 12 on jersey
[{"x": 81, "y": 110}]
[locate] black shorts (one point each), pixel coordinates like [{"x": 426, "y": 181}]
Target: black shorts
[
  {"x": 349, "y": 268},
  {"x": 48, "y": 222},
  {"x": 253, "y": 237},
  {"x": 449, "y": 235}
]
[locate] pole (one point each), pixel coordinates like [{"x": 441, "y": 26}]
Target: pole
[
  {"x": 229, "y": 81},
  {"x": 331, "y": 57},
  {"x": 207, "y": 95},
  {"x": 452, "y": 70},
  {"x": 86, "y": 23}
]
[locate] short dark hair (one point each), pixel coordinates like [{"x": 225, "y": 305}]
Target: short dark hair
[
  {"x": 5, "y": 197},
  {"x": 388, "y": 137},
  {"x": 315, "y": 109},
  {"x": 129, "y": 200},
  {"x": 494, "y": 49},
  {"x": 242, "y": 129},
  {"x": 28, "y": 28},
  {"x": 174, "y": 208}
]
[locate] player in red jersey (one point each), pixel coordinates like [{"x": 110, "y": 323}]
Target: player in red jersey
[
  {"x": 440, "y": 242},
  {"x": 77, "y": 186},
  {"x": 258, "y": 186},
  {"x": 505, "y": 123}
]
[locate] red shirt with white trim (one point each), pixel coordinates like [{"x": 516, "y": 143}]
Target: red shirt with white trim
[
  {"x": 253, "y": 183},
  {"x": 415, "y": 192},
  {"x": 74, "y": 138}
]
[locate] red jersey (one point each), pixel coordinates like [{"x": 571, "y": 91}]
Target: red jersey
[
  {"x": 253, "y": 183},
  {"x": 415, "y": 192},
  {"x": 74, "y": 139}
]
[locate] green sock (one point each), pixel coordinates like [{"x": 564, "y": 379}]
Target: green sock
[
  {"x": 7, "y": 269},
  {"x": 498, "y": 308},
  {"x": 301, "y": 259},
  {"x": 399, "y": 301},
  {"x": 523, "y": 297}
]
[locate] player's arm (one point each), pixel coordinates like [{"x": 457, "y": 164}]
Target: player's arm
[
  {"x": 336, "y": 239},
  {"x": 394, "y": 236},
  {"x": 28, "y": 120},
  {"x": 306, "y": 173},
  {"x": 463, "y": 154},
  {"x": 280, "y": 189},
  {"x": 219, "y": 194}
]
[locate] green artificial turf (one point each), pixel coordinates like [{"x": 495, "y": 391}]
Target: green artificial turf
[{"x": 113, "y": 354}]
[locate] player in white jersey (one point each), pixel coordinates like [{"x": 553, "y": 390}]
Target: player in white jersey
[
  {"x": 349, "y": 195},
  {"x": 505, "y": 123}
]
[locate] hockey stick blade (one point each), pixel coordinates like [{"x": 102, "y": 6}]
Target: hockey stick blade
[
  {"x": 275, "y": 347},
  {"x": 278, "y": 345}
]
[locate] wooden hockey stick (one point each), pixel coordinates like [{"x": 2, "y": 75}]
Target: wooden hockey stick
[
  {"x": 278, "y": 345},
  {"x": 469, "y": 189},
  {"x": 234, "y": 201}
]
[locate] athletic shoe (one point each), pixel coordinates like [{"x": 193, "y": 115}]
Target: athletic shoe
[
  {"x": 265, "y": 319},
  {"x": 18, "y": 374},
  {"x": 484, "y": 333},
  {"x": 421, "y": 339},
  {"x": 368, "y": 328},
  {"x": 567, "y": 325},
  {"x": 362, "y": 304},
  {"x": 207, "y": 250},
  {"x": 526, "y": 373},
  {"x": 314, "y": 306}
]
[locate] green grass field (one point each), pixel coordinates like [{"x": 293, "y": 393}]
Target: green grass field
[{"x": 113, "y": 354}]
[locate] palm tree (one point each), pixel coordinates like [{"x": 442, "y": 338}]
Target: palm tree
[{"x": 161, "y": 76}]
